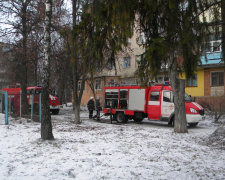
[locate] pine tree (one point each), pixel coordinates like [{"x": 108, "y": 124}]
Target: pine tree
[{"x": 173, "y": 31}]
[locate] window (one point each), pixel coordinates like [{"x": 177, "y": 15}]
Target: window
[
  {"x": 137, "y": 60},
  {"x": 123, "y": 99},
  {"x": 166, "y": 78},
  {"x": 192, "y": 82},
  {"x": 154, "y": 96},
  {"x": 188, "y": 98},
  {"x": 129, "y": 41},
  {"x": 216, "y": 46},
  {"x": 111, "y": 98},
  {"x": 217, "y": 78},
  {"x": 141, "y": 39},
  {"x": 111, "y": 81},
  {"x": 29, "y": 91},
  {"x": 98, "y": 84},
  {"x": 126, "y": 62},
  {"x": 167, "y": 96},
  {"x": 208, "y": 47},
  {"x": 79, "y": 86},
  {"x": 162, "y": 79},
  {"x": 37, "y": 91},
  {"x": 110, "y": 66}
]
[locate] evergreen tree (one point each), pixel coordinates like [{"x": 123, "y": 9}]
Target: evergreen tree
[
  {"x": 173, "y": 35},
  {"x": 172, "y": 30}
]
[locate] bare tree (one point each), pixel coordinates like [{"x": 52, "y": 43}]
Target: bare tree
[
  {"x": 72, "y": 39},
  {"x": 46, "y": 125},
  {"x": 20, "y": 19}
]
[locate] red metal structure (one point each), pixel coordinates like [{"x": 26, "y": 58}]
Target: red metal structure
[{"x": 154, "y": 102}]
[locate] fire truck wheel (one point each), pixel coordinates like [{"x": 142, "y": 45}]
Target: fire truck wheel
[
  {"x": 192, "y": 124},
  {"x": 121, "y": 118},
  {"x": 138, "y": 117},
  {"x": 138, "y": 120},
  {"x": 171, "y": 122},
  {"x": 13, "y": 109},
  {"x": 36, "y": 109},
  {"x": 55, "y": 111}
]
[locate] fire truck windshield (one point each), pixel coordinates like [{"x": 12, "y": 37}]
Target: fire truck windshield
[{"x": 188, "y": 98}]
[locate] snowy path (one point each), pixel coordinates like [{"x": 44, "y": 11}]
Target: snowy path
[{"x": 95, "y": 150}]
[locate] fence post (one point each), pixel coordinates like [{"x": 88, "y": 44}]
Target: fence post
[
  {"x": 32, "y": 106},
  {"x": 6, "y": 108},
  {"x": 9, "y": 108},
  {"x": 40, "y": 107},
  {"x": 20, "y": 104}
]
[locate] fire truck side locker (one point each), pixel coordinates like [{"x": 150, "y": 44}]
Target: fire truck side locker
[{"x": 136, "y": 100}]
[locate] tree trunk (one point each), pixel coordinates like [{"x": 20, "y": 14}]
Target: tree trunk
[
  {"x": 46, "y": 125},
  {"x": 77, "y": 112},
  {"x": 76, "y": 102},
  {"x": 223, "y": 28},
  {"x": 25, "y": 107},
  {"x": 178, "y": 86},
  {"x": 180, "y": 122},
  {"x": 24, "y": 60},
  {"x": 35, "y": 71},
  {"x": 92, "y": 84},
  {"x": 76, "y": 94},
  {"x": 62, "y": 94}
]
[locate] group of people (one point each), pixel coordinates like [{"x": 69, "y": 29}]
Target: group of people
[{"x": 92, "y": 106}]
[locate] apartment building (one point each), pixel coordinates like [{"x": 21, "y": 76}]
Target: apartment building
[{"x": 126, "y": 66}]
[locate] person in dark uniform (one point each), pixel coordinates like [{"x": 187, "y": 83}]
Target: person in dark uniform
[
  {"x": 98, "y": 108},
  {"x": 91, "y": 107}
]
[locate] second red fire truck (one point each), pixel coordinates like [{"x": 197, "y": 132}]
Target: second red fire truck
[
  {"x": 14, "y": 96},
  {"x": 153, "y": 102}
]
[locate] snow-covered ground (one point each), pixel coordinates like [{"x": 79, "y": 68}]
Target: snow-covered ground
[{"x": 95, "y": 150}]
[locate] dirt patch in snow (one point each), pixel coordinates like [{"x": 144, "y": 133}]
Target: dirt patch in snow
[{"x": 216, "y": 139}]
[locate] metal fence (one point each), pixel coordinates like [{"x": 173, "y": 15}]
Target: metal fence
[{"x": 12, "y": 102}]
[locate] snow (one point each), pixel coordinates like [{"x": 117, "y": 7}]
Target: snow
[{"x": 94, "y": 150}]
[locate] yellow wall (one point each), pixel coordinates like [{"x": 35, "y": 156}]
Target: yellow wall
[{"x": 199, "y": 90}]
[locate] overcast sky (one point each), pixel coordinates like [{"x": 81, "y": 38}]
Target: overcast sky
[{"x": 4, "y": 26}]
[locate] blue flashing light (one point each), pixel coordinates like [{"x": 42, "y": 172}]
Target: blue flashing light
[{"x": 166, "y": 83}]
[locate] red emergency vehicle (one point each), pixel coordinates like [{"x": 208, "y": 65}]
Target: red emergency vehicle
[
  {"x": 153, "y": 102},
  {"x": 14, "y": 96}
]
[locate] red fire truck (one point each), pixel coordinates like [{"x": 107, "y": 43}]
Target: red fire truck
[
  {"x": 14, "y": 96},
  {"x": 153, "y": 102}
]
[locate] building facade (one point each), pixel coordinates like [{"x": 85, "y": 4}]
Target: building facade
[
  {"x": 126, "y": 66},
  {"x": 206, "y": 86}
]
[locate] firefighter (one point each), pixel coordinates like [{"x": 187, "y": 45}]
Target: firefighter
[
  {"x": 91, "y": 107},
  {"x": 98, "y": 108}
]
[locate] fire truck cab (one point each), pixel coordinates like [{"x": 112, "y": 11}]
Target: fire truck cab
[{"x": 153, "y": 102}]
